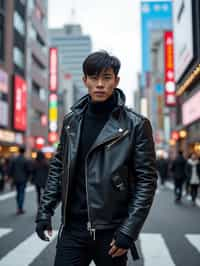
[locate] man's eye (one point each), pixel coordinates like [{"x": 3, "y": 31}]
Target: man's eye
[
  {"x": 93, "y": 77},
  {"x": 108, "y": 77}
]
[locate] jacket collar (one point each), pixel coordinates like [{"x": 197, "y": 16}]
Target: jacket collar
[{"x": 80, "y": 106}]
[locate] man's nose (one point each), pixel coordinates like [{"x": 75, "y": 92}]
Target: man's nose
[{"x": 99, "y": 82}]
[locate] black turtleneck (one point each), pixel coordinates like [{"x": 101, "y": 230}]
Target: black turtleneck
[{"x": 95, "y": 117}]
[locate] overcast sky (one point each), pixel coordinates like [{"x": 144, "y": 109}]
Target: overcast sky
[{"x": 114, "y": 25}]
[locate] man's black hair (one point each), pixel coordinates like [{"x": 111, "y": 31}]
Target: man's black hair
[{"x": 99, "y": 61}]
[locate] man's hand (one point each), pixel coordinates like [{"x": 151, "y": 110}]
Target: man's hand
[
  {"x": 116, "y": 251},
  {"x": 43, "y": 226}
]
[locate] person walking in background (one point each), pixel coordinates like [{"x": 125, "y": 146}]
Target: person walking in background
[
  {"x": 162, "y": 168},
  {"x": 193, "y": 175},
  {"x": 40, "y": 169},
  {"x": 104, "y": 173},
  {"x": 178, "y": 169},
  {"x": 2, "y": 175},
  {"x": 19, "y": 172}
]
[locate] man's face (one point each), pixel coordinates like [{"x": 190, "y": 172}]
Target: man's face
[{"x": 101, "y": 87}]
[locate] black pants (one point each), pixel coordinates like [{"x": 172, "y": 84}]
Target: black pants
[
  {"x": 20, "y": 196},
  {"x": 178, "y": 189},
  {"x": 77, "y": 248},
  {"x": 194, "y": 191}
]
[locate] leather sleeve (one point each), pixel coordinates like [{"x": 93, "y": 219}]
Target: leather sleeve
[
  {"x": 52, "y": 193},
  {"x": 143, "y": 165}
]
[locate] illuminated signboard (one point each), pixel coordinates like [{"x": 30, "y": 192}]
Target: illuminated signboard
[
  {"x": 53, "y": 68},
  {"x": 170, "y": 98},
  {"x": 53, "y": 98},
  {"x": 20, "y": 103}
]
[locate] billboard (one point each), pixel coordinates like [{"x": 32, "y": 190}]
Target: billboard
[
  {"x": 155, "y": 16},
  {"x": 183, "y": 35},
  {"x": 20, "y": 103},
  {"x": 53, "y": 69},
  {"x": 170, "y": 95},
  {"x": 191, "y": 110}
]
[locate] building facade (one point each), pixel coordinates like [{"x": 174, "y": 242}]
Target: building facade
[
  {"x": 37, "y": 74},
  {"x": 73, "y": 46},
  {"x": 187, "y": 69},
  {"x": 13, "y": 87}
]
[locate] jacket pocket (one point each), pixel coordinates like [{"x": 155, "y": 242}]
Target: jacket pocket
[{"x": 118, "y": 183}]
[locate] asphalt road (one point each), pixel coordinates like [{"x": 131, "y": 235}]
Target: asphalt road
[{"x": 171, "y": 234}]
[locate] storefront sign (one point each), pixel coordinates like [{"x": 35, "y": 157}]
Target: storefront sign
[
  {"x": 191, "y": 110},
  {"x": 20, "y": 103},
  {"x": 170, "y": 98},
  {"x": 7, "y": 136}
]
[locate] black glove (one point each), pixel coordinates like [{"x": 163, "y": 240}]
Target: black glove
[
  {"x": 122, "y": 240},
  {"x": 42, "y": 226}
]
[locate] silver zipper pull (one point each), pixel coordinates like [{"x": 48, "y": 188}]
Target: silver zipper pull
[
  {"x": 93, "y": 230},
  {"x": 89, "y": 226}
]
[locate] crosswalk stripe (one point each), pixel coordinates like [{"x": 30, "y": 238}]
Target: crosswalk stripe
[
  {"x": 13, "y": 193},
  {"x": 194, "y": 239},
  {"x": 5, "y": 231},
  {"x": 27, "y": 251},
  {"x": 155, "y": 251}
]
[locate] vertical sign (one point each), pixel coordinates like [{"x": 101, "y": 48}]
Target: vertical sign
[
  {"x": 170, "y": 98},
  {"x": 53, "y": 68},
  {"x": 20, "y": 103},
  {"x": 53, "y": 98}
]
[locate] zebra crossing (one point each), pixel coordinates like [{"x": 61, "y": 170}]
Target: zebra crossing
[{"x": 155, "y": 254}]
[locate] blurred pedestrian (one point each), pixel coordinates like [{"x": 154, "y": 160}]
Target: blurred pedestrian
[
  {"x": 178, "y": 169},
  {"x": 40, "y": 169},
  {"x": 104, "y": 173},
  {"x": 19, "y": 172},
  {"x": 162, "y": 168},
  {"x": 193, "y": 175},
  {"x": 2, "y": 175}
]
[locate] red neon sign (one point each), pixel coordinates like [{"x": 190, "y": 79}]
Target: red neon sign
[
  {"x": 20, "y": 103},
  {"x": 170, "y": 98},
  {"x": 53, "y": 69}
]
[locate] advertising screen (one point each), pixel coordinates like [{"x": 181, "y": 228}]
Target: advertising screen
[{"x": 20, "y": 103}]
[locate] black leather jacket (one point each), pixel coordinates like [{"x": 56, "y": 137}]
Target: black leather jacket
[{"x": 119, "y": 169}]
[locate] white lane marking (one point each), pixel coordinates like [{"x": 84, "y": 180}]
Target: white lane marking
[
  {"x": 26, "y": 252},
  {"x": 194, "y": 239},
  {"x": 5, "y": 231},
  {"x": 92, "y": 264},
  {"x": 155, "y": 251},
  {"x": 13, "y": 193},
  {"x": 171, "y": 186}
]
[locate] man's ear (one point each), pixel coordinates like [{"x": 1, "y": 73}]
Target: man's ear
[
  {"x": 84, "y": 79},
  {"x": 117, "y": 81}
]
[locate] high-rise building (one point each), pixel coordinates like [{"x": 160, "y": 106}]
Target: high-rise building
[
  {"x": 13, "y": 89},
  {"x": 73, "y": 46},
  {"x": 37, "y": 74}
]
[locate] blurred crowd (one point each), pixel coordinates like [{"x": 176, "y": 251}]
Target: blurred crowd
[
  {"x": 183, "y": 172},
  {"x": 16, "y": 172}
]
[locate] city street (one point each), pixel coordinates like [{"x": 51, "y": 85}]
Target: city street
[{"x": 171, "y": 235}]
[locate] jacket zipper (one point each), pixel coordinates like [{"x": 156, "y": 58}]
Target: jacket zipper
[
  {"x": 67, "y": 185},
  {"x": 117, "y": 139},
  {"x": 90, "y": 227}
]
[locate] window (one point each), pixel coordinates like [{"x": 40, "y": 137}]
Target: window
[
  {"x": 1, "y": 37},
  {"x": 32, "y": 33},
  {"x": 2, "y": 4},
  {"x": 19, "y": 23},
  {"x": 18, "y": 57}
]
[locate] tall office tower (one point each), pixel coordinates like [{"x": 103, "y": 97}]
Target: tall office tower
[
  {"x": 73, "y": 46},
  {"x": 37, "y": 74}
]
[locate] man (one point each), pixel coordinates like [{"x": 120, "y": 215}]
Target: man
[
  {"x": 19, "y": 173},
  {"x": 178, "y": 169},
  {"x": 103, "y": 172}
]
